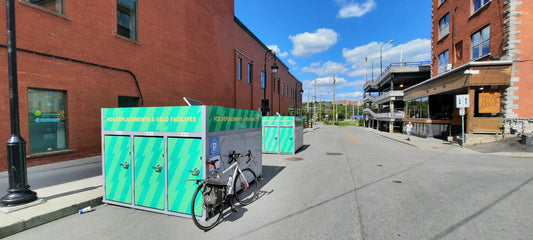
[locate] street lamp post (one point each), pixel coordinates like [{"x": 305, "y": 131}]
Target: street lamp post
[
  {"x": 381, "y": 58},
  {"x": 265, "y": 105},
  {"x": 19, "y": 191}
]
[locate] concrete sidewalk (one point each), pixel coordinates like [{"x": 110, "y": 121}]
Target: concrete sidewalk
[
  {"x": 67, "y": 198},
  {"x": 53, "y": 202}
]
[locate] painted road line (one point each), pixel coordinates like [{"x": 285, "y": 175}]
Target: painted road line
[{"x": 352, "y": 136}]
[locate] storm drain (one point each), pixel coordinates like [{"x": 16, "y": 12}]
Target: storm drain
[
  {"x": 295, "y": 159},
  {"x": 334, "y": 153}
]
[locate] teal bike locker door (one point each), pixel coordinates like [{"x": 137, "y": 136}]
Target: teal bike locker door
[
  {"x": 184, "y": 155},
  {"x": 149, "y": 176},
  {"x": 286, "y": 142},
  {"x": 271, "y": 139},
  {"x": 117, "y": 168}
]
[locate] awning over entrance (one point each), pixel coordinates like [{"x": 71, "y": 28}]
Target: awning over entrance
[{"x": 488, "y": 73}]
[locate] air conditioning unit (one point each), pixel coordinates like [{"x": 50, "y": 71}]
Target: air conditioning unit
[{"x": 448, "y": 67}]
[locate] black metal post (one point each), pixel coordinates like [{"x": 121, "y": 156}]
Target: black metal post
[
  {"x": 19, "y": 191},
  {"x": 265, "y": 105}
]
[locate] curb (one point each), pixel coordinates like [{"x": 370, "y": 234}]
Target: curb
[{"x": 24, "y": 224}]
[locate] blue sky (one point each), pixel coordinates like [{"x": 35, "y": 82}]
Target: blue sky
[{"x": 325, "y": 38}]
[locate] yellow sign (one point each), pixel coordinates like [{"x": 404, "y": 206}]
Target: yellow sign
[{"x": 489, "y": 102}]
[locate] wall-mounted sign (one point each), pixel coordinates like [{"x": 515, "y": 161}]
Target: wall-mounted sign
[{"x": 489, "y": 102}]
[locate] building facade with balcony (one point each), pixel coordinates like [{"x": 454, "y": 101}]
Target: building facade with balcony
[
  {"x": 479, "y": 49},
  {"x": 383, "y": 96},
  {"x": 76, "y": 57}
]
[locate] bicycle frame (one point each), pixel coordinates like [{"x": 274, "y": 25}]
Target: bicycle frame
[{"x": 235, "y": 165}]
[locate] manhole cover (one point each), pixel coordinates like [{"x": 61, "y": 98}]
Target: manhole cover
[
  {"x": 295, "y": 159},
  {"x": 334, "y": 153}
]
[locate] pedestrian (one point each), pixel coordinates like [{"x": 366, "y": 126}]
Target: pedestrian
[{"x": 408, "y": 129}]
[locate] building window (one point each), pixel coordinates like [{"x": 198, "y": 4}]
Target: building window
[
  {"x": 278, "y": 86},
  {"x": 283, "y": 89},
  {"x": 480, "y": 43},
  {"x": 249, "y": 73},
  {"x": 127, "y": 19},
  {"x": 263, "y": 76},
  {"x": 477, "y": 4},
  {"x": 239, "y": 69},
  {"x": 51, "y": 5},
  {"x": 47, "y": 120},
  {"x": 127, "y": 101},
  {"x": 418, "y": 108},
  {"x": 444, "y": 59},
  {"x": 444, "y": 26}
]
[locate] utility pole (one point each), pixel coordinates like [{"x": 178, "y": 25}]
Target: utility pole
[
  {"x": 314, "y": 104},
  {"x": 334, "y": 104}
]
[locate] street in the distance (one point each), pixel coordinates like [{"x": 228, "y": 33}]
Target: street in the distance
[{"x": 349, "y": 183}]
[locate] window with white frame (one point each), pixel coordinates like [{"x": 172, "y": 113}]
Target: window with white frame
[
  {"x": 127, "y": 19},
  {"x": 480, "y": 43},
  {"x": 444, "y": 25},
  {"x": 55, "y": 6},
  {"x": 444, "y": 59},
  {"x": 477, "y": 4}
]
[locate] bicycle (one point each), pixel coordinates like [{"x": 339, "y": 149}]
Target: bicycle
[{"x": 213, "y": 193}]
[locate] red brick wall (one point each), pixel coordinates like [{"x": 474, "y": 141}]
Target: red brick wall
[
  {"x": 466, "y": 24},
  {"x": 184, "y": 48},
  {"x": 524, "y": 68}
]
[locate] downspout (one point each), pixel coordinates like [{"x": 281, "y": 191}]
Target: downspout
[
  {"x": 87, "y": 63},
  {"x": 453, "y": 38}
]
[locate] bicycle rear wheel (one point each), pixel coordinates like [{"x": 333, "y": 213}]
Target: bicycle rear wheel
[
  {"x": 248, "y": 188},
  {"x": 198, "y": 209}
]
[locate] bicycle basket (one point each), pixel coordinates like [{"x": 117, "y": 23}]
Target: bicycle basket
[{"x": 212, "y": 195}]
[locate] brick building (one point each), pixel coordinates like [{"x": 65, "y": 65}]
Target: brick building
[
  {"x": 478, "y": 49},
  {"x": 76, "y": 57}
]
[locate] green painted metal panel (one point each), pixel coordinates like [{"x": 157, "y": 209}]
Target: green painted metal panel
[
  {"x": 184, "y": 154},
  {"x": 286, "y": 140},
  {"x": 270, "y": 139},
  {"x": 153, "y": 119},
  {"x": 117, "y": 150},
  {"x": 149, "y": 182},
  {"x": 223, "y": 119}
]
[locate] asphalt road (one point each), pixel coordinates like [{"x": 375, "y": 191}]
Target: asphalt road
[{"x": 348, "y": 183}]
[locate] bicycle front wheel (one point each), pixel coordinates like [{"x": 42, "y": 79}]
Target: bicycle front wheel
[
  {"x": 245, "y": 186},
  {"x": 199, "y": 209}
]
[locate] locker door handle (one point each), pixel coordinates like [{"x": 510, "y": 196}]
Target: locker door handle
[
  {"x": 125, "y": 165},
  {"x": 157, "y": 168},
  {"x": 195, "y": 172}
]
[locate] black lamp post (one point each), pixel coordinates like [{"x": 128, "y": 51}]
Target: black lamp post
[
  {"x": 265, "y": 105},
  {"x": 19, "y": 191}
]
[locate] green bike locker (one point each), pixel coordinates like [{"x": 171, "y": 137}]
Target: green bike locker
[
  {"x": 148, "y": 153},
  {"x": 117, "y": 166},
  {"x": 282, "y": 135}
]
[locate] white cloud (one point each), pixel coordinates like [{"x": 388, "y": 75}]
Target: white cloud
[
  {"x": 307, "y": 44},
  {"x": 350, "y": 96},
  {"x": 291, "y": 62},
  {"x": 417, "y": 50},
  {"x": 278, "y": 52},
  {"x": 353, "y": 9},
  {"x": 329, "y": 68}
]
